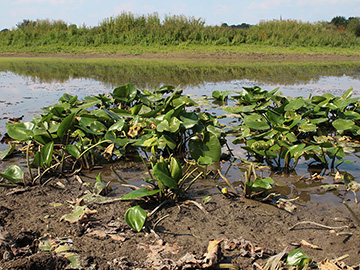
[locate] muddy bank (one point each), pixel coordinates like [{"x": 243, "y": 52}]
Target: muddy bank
[
  {"x": 104, "y": 241},
  {"x": 201, "y": 55}
]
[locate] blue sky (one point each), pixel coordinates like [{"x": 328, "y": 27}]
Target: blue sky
[{"x": 214, "y": 12}]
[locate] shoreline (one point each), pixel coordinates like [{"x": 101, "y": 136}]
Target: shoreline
[{"x": 222, "y": 55}]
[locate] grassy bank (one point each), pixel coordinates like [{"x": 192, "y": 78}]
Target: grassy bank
[
  {"x": 135, "y": 35},
  {"x": 183, "y": 51}
]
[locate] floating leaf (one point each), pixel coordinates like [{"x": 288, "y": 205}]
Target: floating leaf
[{"x": 258, "y": 124}]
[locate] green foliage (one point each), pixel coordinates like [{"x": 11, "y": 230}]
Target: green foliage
[
  {"x": 170, "y": 180},
  {"x": 258, "y": 185},
  {"x": 280, "y": 130},
  {"x": 298, "y": 258},
  {"x": 135, "y": 217},
  {"x": 76, "y": 134},
  {"x": 13, "y": 174},
  {"x": 130, "y": 29}
]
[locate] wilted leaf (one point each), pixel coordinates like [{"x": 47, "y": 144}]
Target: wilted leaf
[{"x": 79, "y": 214}]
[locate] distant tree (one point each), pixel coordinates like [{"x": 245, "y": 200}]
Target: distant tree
[
  {"x": 25, "y": 23},
  {"x": 339, "y": 21},
  {"x": 238, "y": 26},
  {"x": 5, "y": 30},
  {"x": 354, "y": 26}
]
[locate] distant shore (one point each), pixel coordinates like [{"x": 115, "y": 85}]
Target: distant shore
[{"x": 200, "y": 52}]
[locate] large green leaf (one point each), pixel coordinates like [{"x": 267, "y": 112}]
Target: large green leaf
[
  {"x": 343, "y": 124},
  {"x": 118, "y": 126},
  {"x": 65, "y": 125},
  {"x": 47, "y": 153},
  {"x": 256, "y": 122},
  {"x": 162, "y": 173},
  {"x": 20, "y": 131},
  {"x": 163, "y": 126},
  {"x": 7, "y": 152},
  {"x": 259, "y": 183},
  {"x": 73, "y": 150},
  {"x": 125, "y": 92},
  {"x": 347, "y": 94},
  {"x": 207, "y": 146},
  {"x": 13, "y": 173},
  {"x": 307, "y": 127},
  {"x": 166, "y": 140},
  {"x": 294, "y": 104},
  {"x": 139, "y": 193},
  {"x": 135, "y": 217},
  {"x": 175, "y": 169},
  {"x": 174, "y": 125}
]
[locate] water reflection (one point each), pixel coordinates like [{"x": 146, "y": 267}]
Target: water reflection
[{"x": 150, "y": 73}]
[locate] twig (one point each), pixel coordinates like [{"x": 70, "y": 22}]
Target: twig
[
  {"x": 109, "y": 201},
  {"x": 198, "y": 205},
  {"x": 319, "y": 225},
  {"x": 340, "y": 258},
  {"x": 159, "y": 220},
  {"x": 19, "y": 191},
  {"x": 78, "y": 178},
  {"x": 130, "y": 186},
  {"x": 157, "y": 208},
  {"x": 227, "y": 182}
]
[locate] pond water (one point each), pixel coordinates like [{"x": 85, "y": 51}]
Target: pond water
[{"x": 27, "y": 85}]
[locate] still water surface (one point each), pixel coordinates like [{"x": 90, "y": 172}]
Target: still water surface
[{"x": 27, "y": 85}]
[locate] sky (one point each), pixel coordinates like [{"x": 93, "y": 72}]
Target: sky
[{"x": 213, "y": 12}]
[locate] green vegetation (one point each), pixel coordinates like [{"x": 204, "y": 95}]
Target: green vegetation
[
  {"x": 75, "y": 135},
  {"x": 279, "y": 130},
  {"x": 151, "y": 32}
]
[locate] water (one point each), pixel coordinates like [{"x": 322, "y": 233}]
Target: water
[{"x": 28, "y": 86}]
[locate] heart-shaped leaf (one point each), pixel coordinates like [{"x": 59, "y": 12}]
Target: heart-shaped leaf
[
  {"x": 135, "y": 217},
  {"x": 13, "y": 173}
]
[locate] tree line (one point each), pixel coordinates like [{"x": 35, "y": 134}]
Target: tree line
[{"x": 147, "y": 30}]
